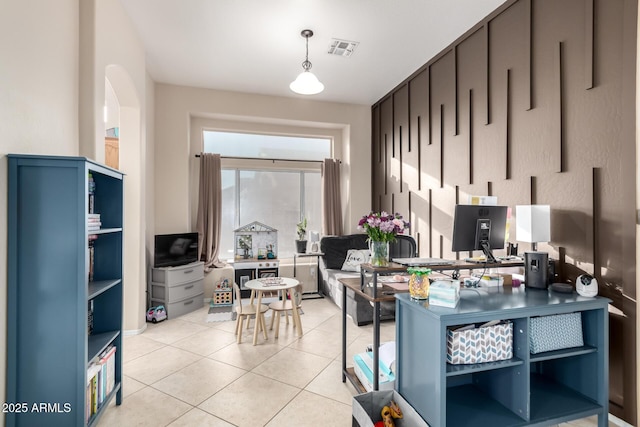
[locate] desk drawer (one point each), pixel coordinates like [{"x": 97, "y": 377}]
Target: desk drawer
[
  {"x": 171, "y": 294},
  {"x": 179, "y": 308},
  {"x": 177, "y": 275}
]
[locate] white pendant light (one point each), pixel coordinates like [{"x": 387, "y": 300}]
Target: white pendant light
[{"x": 306, "y": 83}]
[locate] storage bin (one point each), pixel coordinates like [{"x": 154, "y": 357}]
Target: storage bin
[
  {"x": 555, "y": 332},
  {"x": 480, "y": 345},
  {"x": 366, "y": 409}
]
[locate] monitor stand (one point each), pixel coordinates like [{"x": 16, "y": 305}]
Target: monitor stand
[{"x": 484, "y": 244}]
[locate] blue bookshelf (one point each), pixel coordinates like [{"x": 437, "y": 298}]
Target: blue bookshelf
[{"x": 58, "y": 267}]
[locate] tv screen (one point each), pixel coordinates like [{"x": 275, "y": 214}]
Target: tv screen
[
  {"x": 479, "y": 227},
  {"x": 175, "y": 249}
]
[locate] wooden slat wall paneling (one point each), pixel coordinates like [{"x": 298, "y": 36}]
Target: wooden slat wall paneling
[
  {"x": 595, "y": 221},
  {"x": 529, "y": 66},
  {"x": 386, "y": 131},
  {"x": 471, "y": 90},
  {"x": 418, "y": 122},
  {"x": 393, "y": 202},
  {"x": 406, "y": 163},
  {"x": 507, "y": 130},
  {"x": 442, "y": 116},
  {"x": 487, "y": 28},
  {"x": 556, "y": 52},
  {"x": 509, "y": 70},
  {"x": 419, "y": 153},
  {"x": 429, "y": 116},
  {"x": 533, "y": 195},
  {"x": 442, "y": 153},
  {"x": 376, "y": 172},
  {"x": 588, "y": 49},
  {"x": 455, "y": 92},
  {"x": 559, "y": 92},
  {"x": 470, "y": 159},
  {"x": 471, "y": 57}
]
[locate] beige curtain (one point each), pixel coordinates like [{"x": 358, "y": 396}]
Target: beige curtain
[
  {"x": 331, "y": 205},
  {"x": 210, "y": 210}
]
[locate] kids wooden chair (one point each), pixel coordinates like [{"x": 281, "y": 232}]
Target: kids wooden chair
[
  {"x": 284, "y": 306},
  {"x": 247, "y": 311}
]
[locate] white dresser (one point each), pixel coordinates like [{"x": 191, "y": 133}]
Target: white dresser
[{"x": 180, "y": 289}]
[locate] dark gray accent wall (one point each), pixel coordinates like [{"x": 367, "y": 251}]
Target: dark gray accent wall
[{"x": 534, "y": 104}]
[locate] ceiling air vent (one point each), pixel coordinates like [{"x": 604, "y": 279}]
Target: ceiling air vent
[{"x": 342, "y": 47}]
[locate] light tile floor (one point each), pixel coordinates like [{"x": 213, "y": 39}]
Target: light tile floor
[{"x": 187, "y": 372}]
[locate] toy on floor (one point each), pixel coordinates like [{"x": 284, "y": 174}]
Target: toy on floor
[{"x": 388, "y": 414}]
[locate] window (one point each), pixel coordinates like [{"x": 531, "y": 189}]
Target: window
[{"x": 276, "y": 193}]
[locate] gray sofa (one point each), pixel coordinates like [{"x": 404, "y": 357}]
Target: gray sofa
[{"x": 335, "y": 251}]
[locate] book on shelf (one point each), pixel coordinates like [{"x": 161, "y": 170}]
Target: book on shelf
[
  {"x": 92, "y": 192},
  {"x": 92, "y": 388},
  {"x": 91, "y": 250},
  {"x": 101, "y": 375},
  {"x": 90, "y": 318}
]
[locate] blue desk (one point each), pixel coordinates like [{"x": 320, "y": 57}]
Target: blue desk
[{"x": 529, "y": 389}]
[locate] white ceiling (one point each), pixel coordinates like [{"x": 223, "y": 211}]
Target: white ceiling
[{"x": 255, "y": 45}]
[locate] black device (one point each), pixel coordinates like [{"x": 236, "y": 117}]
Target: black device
[
  {"x": 536, "y": 270},
  {"x": 479, "y": 227},
  {"x": 175, "y": 249}
]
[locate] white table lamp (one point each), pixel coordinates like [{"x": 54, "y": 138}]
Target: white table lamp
[
  {"x": 314, "y": 238},
  {"x": 533, "y": 224}
]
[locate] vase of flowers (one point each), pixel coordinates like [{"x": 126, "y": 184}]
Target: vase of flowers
[{"x": 382, "y": 228}]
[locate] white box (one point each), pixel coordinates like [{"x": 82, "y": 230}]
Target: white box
[{"x": 363, "y": 367}]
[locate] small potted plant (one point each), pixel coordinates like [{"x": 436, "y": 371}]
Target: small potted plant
[{"x": 301, "y": 243}]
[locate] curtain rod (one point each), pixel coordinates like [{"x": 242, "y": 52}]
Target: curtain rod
[{"x": 273, "y": 160}]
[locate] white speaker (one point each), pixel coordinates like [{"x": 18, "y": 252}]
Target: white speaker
[{"x": 587, "y": 285}]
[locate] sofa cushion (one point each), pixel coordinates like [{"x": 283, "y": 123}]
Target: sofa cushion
[
  {"x": 354, "y": 258},
  {"x": 335, "y": 248}
]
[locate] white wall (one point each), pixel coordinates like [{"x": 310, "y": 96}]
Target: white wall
[
  {"x": 38, "y": 101},
  {"x": 177, "y": 107},
  {"x": 50, "y": 77}
]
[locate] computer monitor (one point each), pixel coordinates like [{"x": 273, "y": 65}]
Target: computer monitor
[{"x": 479, "y": 227}]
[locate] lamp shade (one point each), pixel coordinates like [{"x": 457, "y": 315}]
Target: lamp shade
[
  {"x": 314, "y": 236},
  {"x": 306, "y": 84},
  {"x": 533, "y": 223}
]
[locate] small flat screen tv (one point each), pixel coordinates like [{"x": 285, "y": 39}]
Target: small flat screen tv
[
  {"x": 172, "y": 250},
  {"x": 479, "y": 227}
]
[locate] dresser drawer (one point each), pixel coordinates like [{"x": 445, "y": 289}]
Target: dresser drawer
[
  {"x": 172, "y": 276},
  {"x": 169, "y": 294},
  {"x": 185, "y": 306}
]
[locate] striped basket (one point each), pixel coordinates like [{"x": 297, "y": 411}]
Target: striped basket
[
  {"x": 479, "y": 345},
  {"x": 555, "y": 332}
]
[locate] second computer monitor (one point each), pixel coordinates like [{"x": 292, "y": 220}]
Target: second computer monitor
[{"x": 479, "y": 227}]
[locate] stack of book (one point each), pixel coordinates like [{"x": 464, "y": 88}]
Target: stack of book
[
  {"x": 444, "y": 293},
  {"x": 93, "y": 222},
  {"x": 101, "y": 376}
]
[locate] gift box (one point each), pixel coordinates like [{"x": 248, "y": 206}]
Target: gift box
[
  {"x": 487, "y": 343},
  {"x": 555, "y": 332}
]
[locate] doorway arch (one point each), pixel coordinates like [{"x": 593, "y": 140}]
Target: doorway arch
[{"x": 131, "y": 149}]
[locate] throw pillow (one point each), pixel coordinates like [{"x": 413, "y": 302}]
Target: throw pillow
[{"x": 354, "y": 258}]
